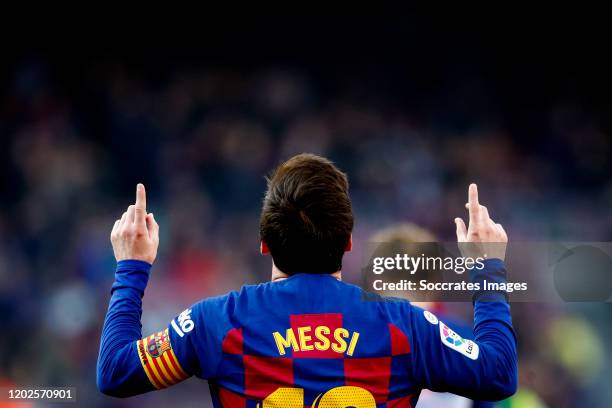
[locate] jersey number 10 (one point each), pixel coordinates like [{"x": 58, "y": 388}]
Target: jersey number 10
[{"x": 339, "y": 397}]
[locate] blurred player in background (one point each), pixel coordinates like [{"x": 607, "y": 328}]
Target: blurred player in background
[{"x": 306, "y": 338}]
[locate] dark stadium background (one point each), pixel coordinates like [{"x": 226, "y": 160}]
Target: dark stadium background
[{"x": 413, "y": 109}]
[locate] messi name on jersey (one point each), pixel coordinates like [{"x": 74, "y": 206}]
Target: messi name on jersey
[{"x": 317, "y": 338}]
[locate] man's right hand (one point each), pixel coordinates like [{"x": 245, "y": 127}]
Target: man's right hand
[
  {"x": 483, "y": 237},
  {"x": 136, "y": 234}
]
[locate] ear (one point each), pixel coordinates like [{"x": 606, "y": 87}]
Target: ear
[
  {"x": 349, "y": 244},
  {"x": 263, "y": 248}
]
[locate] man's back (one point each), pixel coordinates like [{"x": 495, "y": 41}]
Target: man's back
[
  {"x": 309, "y": 332},
  {"x": 312, "y": 338}
]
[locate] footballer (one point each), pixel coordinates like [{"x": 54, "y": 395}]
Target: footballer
[{"x": 306, "y": 338}]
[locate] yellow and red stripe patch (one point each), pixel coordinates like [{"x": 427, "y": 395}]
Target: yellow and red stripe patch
[{"x": 159, "y": 361}]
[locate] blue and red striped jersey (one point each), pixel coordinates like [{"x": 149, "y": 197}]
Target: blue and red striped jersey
[{"x": 308, "y": 341}]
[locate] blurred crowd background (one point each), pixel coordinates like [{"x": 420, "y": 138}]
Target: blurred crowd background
[{"x": 413, "y": 113}]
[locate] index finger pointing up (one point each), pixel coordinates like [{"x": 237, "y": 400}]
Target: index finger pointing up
[
  {"x": 473, "y": 205},
  {"x": 141, "y": 204},
  {"x": 473, "y": 194}
]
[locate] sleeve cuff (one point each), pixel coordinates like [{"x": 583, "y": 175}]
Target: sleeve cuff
[
  {"x": 494, "y": 271},
  {"x": 133, "y": 274}
]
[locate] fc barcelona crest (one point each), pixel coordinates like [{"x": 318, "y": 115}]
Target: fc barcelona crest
[{"x": 159, "y": 344}]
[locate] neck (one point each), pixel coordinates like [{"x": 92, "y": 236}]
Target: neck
[{"x": 278, "y": 275}]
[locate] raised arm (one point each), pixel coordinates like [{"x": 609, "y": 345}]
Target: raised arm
[
  {"x": 484, "y": 368},
  {"x": 127, "y": 364}
]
